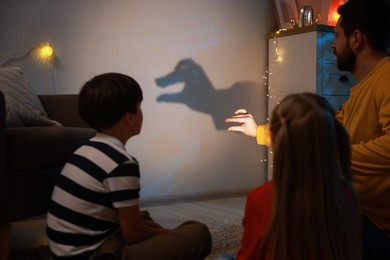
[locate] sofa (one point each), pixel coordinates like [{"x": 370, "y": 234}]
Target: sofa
[{"x": 31, "y": 156}]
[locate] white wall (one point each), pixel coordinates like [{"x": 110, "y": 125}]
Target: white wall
[{"x": 180, "y": 149}]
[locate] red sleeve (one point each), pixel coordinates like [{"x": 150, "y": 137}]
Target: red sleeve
[{"x": 257, "y": 215}]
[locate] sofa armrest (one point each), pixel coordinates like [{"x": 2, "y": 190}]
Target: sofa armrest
[
  {"x": 2, "y": 135},
  {"x": 63, "y": 108},
  {"x": 3, "y": 177},
  {"x": 2, "y": 113}
]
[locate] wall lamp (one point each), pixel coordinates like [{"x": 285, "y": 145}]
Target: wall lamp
[
  {"x": 46, "y": 51},
  {"x": 42, "y": 52}
]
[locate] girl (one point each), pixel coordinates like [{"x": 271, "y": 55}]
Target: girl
[{"x": 309, "y": 210}]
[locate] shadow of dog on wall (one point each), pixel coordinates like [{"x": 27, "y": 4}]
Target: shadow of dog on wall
[{"x": 200, "y": 95}]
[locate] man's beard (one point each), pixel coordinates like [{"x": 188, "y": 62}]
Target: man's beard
[{"x": 346, "y": 60}]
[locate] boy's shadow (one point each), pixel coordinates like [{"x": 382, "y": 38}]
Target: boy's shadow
[{"x": 200, "y": 95}]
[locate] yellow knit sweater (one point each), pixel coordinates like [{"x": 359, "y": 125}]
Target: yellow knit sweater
[{"x": 366, "y": 116}]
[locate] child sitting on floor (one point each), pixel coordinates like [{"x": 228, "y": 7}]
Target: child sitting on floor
[{"x": 94, "y": 209}]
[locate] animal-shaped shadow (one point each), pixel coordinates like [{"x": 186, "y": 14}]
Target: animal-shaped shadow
[{"x": 200, "y": 95}]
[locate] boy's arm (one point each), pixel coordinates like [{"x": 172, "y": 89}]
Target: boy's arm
[{"x": 135, "y": 229}]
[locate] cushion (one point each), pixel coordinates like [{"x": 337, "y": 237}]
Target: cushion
[{"x": 23, "y": 107}]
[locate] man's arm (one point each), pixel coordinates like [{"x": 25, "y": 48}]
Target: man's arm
[{"x": 248, "y": 126}]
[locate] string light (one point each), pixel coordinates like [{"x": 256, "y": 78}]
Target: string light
[
  {"x": 43, "y": 53},
  {"x": 272, "y": 96},
  {"x": 46, "y": 51},
  {"x": 273, "y": 66}
]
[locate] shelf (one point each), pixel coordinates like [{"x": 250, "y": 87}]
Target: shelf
[{"x": 304, "y": 29}]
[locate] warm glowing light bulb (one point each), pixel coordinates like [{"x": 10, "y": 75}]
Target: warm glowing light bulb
[
  {"x": 334, "y": 18},
  {"x": 46, "y": 51},
  {"x": 333, "y": 15}
]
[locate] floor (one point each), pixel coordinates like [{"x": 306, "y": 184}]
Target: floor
[{"x": 31, "y": 233}]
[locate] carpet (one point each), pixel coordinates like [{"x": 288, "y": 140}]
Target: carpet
[{"x": 226, "y": 236}]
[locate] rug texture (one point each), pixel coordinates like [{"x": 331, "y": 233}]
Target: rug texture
[{"x": 226, "y": 236}]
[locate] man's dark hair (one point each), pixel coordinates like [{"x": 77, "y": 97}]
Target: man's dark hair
[
  {"x": 371, "y": 17},
  {"x": 105, "y": 98}
]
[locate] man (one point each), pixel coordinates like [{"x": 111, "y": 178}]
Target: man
[{"x": 361, "y": 46}]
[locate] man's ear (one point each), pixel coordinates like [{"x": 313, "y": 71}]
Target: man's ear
[{"x": 356, "y": 40}]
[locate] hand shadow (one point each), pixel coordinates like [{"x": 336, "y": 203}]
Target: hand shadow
[{"x": 199, "y": 94}]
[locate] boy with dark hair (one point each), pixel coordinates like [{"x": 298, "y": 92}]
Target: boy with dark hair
[{"x": 94, "y": 209}]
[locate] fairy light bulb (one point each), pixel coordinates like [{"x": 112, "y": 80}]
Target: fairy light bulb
[{"x": 46, "y": 51}]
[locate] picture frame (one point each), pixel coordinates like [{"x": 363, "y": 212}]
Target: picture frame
[{"x": 285, "y": 11}]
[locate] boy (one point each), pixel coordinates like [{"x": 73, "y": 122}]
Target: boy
[{"x": 94, "y": 208}]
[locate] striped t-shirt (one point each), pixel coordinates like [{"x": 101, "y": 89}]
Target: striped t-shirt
[{"x": 99, "y": 178}]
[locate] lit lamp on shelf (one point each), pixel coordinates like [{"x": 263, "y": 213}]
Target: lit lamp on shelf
[{"x": 333, "y": 16}]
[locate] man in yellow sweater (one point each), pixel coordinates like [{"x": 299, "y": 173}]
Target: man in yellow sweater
[{"x": 361, "y": 46}]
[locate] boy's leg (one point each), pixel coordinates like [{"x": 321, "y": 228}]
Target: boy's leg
[
  {"x": 110, "y": 250},
  {"x": 190, "y": 240},
  {"x": 112, "y": 247}
]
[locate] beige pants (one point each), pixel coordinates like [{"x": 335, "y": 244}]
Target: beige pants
[{"x": 190, "y": 240}]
